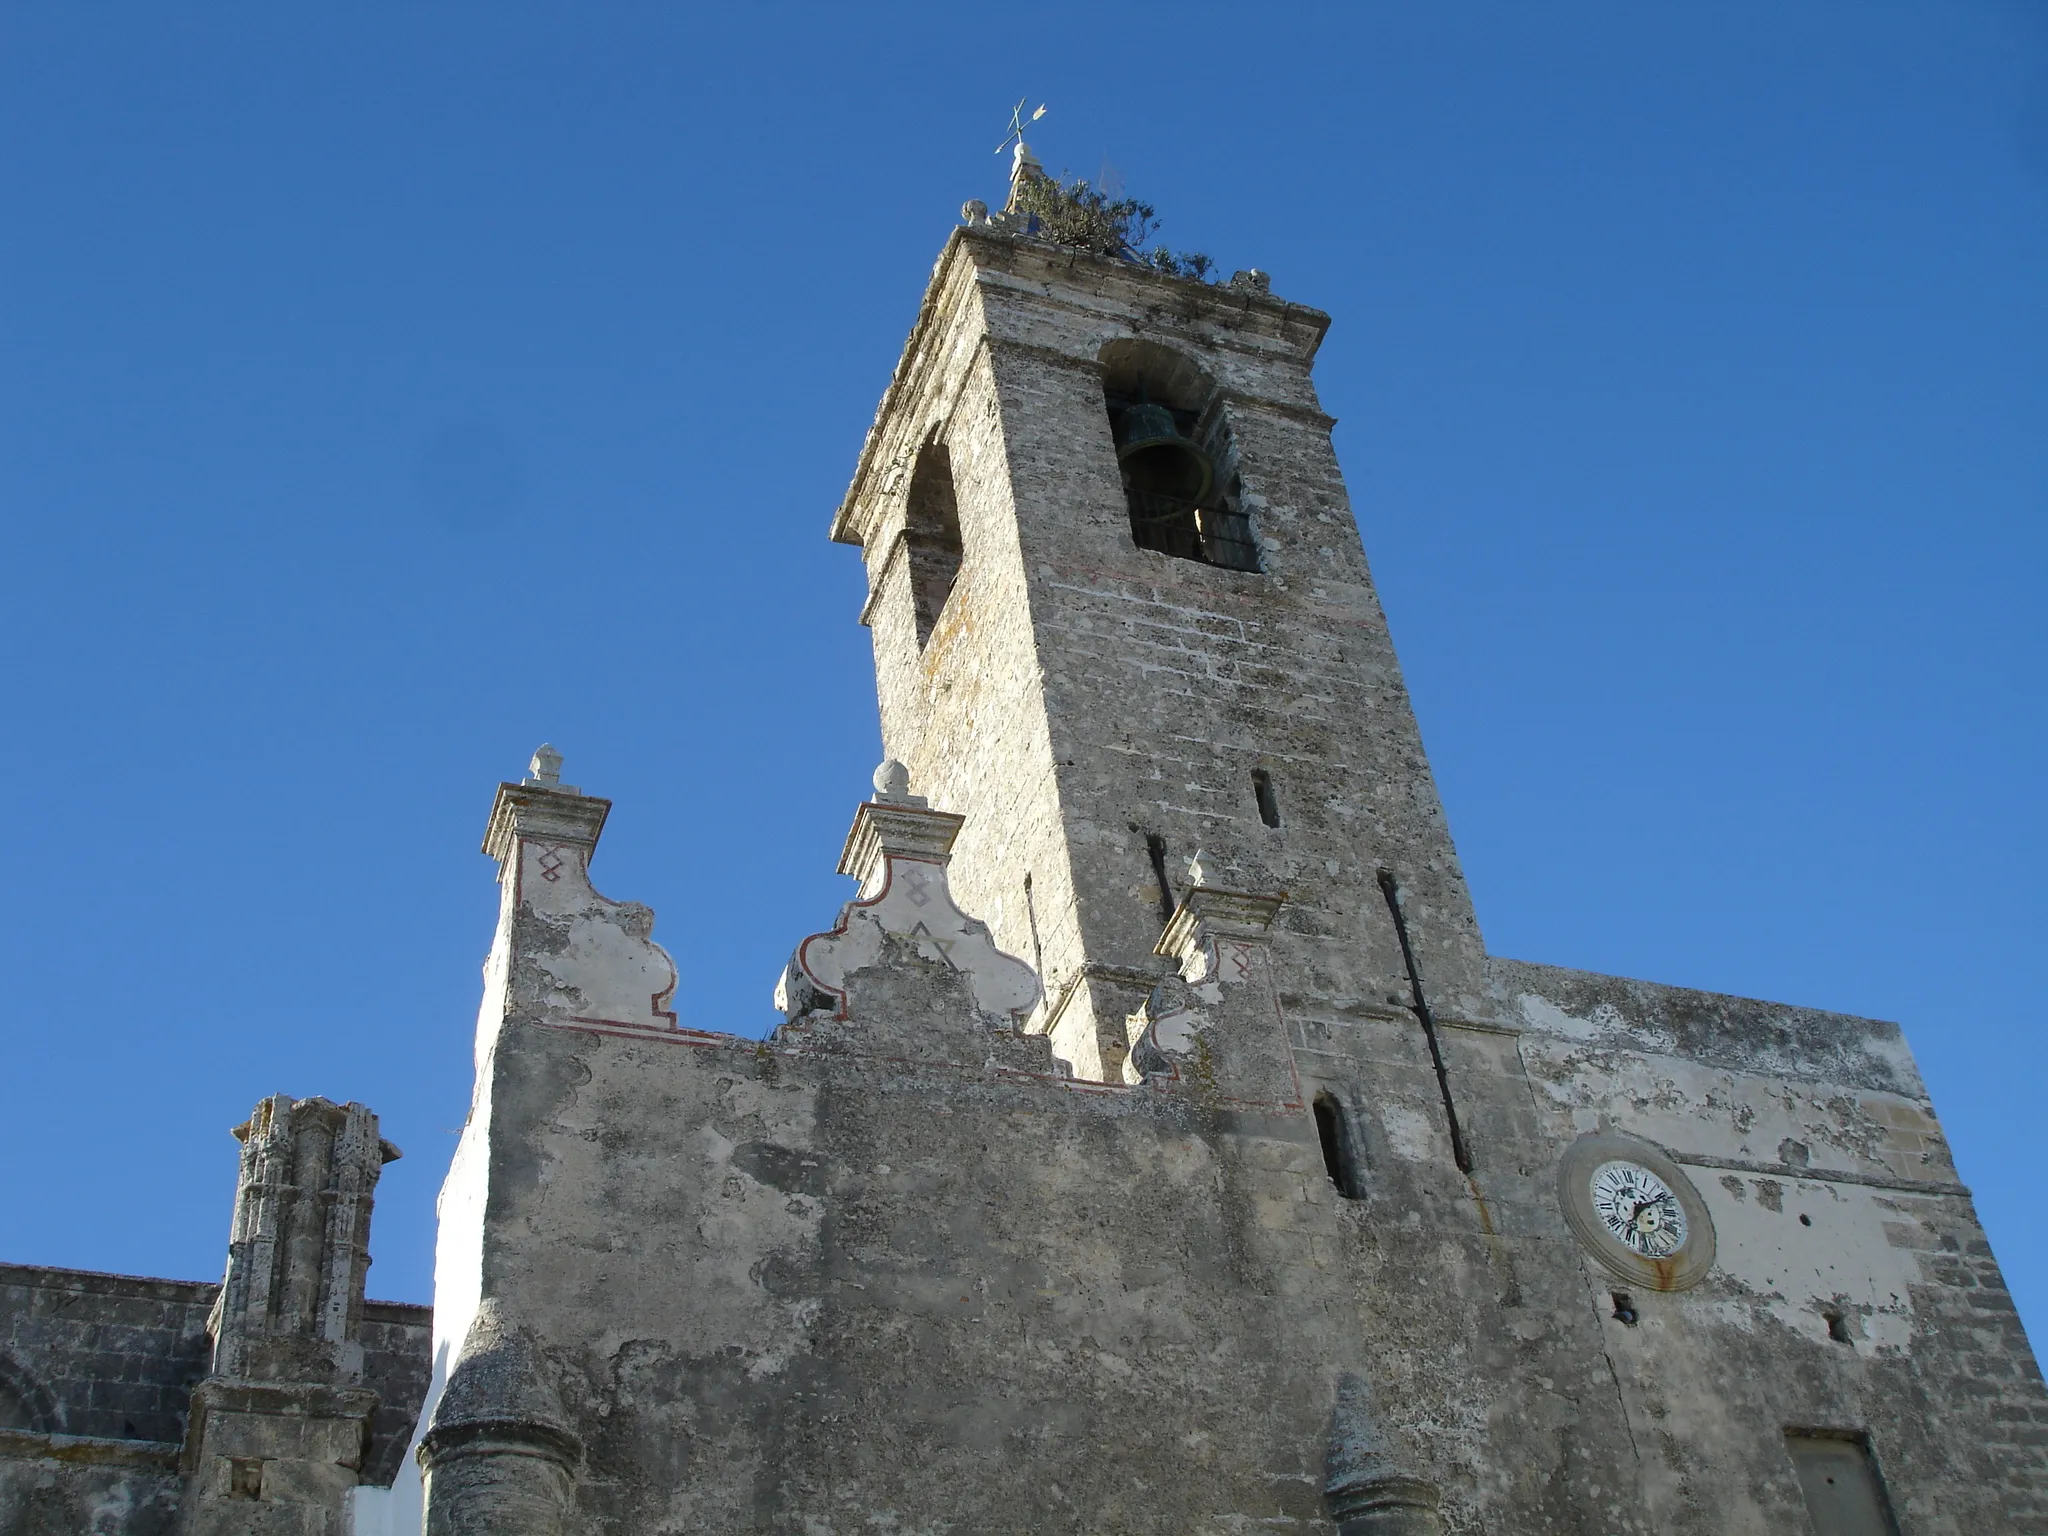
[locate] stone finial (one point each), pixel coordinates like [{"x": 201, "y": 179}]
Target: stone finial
[
  {"x": 892, "y": 785},
  {"x": 545, "y": 772},
  {"x": 974, "y": 211},
  {"x": 546, "y": 768},
  {"x": 1370, "y": 1487},
  {"x": 1024, "y": 167},
  {"x": 499, "y": 1454}
]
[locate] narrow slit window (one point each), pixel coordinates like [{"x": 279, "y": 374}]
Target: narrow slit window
[
  {"x": 1333, "y": 1130},
  {"x": 1844, "y": 1494},
  {"x": 1155, "y": 848},
  {"x": 1031, "y": 915},
  {"x": 931, "y": 537},
  {"x": 1262, "y": 791}
]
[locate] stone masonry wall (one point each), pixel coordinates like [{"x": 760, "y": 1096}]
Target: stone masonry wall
[
  {"x": 110, "y": 1356},
  {"x": 96, "y": 1372}
]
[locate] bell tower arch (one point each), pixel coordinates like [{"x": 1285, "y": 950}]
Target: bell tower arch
[{"x": 1159, "y": 636}]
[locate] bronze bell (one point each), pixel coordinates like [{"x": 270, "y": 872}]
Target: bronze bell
[{"x": 1158, "y": 459}]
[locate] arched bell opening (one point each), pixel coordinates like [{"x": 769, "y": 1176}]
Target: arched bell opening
[
  {"x": 1175, "y": 457},
  {"x": 931, "y": 535}
]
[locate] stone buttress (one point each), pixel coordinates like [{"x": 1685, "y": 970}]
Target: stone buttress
[{"x": 279, "y": 1429}]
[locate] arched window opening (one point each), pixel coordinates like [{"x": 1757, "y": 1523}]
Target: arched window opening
[
  {"x": 931, "y": 536},
  {"x": 1175, "y": 457},
  {"x": 1333, "y": 1130},
  {"x": 24, "y": 1402},
  {"x": 15, "y": 1412}
]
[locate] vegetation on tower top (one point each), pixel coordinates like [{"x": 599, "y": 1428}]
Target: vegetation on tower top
[{"x": 1073, "y": 213}]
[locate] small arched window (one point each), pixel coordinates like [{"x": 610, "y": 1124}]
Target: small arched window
[
  {"x": 24, "y": 1402},
  {"x": 1340, "y": 1155},
  {"x": 1175, "y": 457},
  {"x": 931, "y": 535}
]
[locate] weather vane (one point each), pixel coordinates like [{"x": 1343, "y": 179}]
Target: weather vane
[{"x": 1017, "y": 122}]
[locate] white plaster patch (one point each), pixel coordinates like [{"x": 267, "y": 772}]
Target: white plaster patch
[
  {"x": 1685, "y": 1106},
  {"x": 1540, "y": 1012},
  {"x": 1409, "y": 1132},
  {"x": 916, "y": 902},
  {"x": 603, "y": 967},
  {"x": 1892, "y": 1050},
  {"x": 1838, "y": 1259},
  {"x": 1177, "y": 1031}
]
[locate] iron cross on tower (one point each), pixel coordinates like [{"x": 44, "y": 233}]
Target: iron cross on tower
[{"x": 1017, "y": 122}]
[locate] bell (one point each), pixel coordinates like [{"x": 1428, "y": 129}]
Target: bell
[{"x": 1158, "y": 459}]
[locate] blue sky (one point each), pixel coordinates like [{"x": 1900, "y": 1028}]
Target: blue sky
[{"x": 384, "y": 389}]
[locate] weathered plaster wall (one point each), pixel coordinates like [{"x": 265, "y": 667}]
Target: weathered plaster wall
[
  {"x": 1814, "y": 1142},
  {"x": 789, "y": 1291},
  {"x": 885, "y": 1269},
  {"x": 793, "y": 1292}
]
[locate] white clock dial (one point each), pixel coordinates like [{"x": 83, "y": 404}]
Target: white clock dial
[{"x": 1638, "y": 1208}]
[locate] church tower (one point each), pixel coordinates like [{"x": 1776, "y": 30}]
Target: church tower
[
  {"x": 1149, "y": 1145},
  {"x": 1121, "y": 614}
]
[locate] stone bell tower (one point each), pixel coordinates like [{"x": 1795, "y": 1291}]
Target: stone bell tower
[{"x": 1121, "y": 614}]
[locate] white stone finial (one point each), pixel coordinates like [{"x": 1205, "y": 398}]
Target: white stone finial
[
  {"x": 892, "y": 786},
  {"x": 546, "y": 767},
  {"x": 1198, "y": 869},
  {"x": 974, "y": 211},
  {"x": 1024, "y": 167}
]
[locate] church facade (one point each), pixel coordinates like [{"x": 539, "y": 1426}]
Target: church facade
[{"x": 1151, "y": 1145}]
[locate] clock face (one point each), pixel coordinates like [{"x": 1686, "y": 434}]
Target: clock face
[{"x": 1638, "y": 1208}]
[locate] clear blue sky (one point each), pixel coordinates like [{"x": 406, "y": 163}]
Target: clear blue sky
[{"x": 385, "y": 388}]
